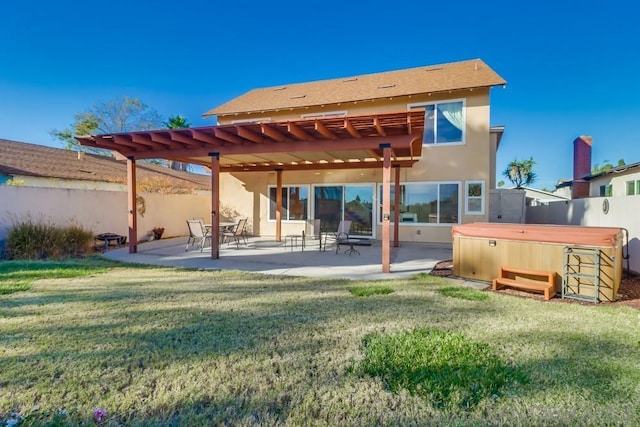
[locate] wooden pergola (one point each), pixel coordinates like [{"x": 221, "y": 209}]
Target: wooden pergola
[{"x": 386, "y": 141}]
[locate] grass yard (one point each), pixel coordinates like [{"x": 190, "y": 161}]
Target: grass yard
[{"x": 154, "y": 346}]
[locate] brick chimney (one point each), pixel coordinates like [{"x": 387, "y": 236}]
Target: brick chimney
[{"x": 581, "y": 167}]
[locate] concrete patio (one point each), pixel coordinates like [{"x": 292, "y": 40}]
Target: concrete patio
[{"x": 264, "y": 255}]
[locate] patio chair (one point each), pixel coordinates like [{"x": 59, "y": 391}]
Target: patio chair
[
  {"x": 342, "y": 233},
  {"x": 197, "y": 233},
  {"x": 237, "y": 233}
]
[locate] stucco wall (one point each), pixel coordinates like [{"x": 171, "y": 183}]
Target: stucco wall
[
  {"x": 474, "y": 160},
  {"x": 99, "y": 211},
  {"x": 622, "y": 212}
]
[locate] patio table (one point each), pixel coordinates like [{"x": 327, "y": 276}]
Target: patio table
[
  {"x": 351, "y": 243},
  {"x": 110, "y": 237},
  {"x": 223, "y": 225}
]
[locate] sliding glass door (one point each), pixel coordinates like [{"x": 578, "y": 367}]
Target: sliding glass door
[{"x": 333, "y": 203}]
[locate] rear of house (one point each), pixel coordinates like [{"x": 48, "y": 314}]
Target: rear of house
[{"x": 448, "y": 185}]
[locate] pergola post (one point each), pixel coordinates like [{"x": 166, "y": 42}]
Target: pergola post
[
  {"x": 132, "y": 206},
  {"x": 386, "y": 206},
  {"x": 278, "y": 205},
  {"x": 396, "y": 207},
  {"x": 215, "y": 205}
]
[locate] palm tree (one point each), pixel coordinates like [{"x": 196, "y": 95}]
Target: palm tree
[
  {"x": 177, "y": 122},
  {"x": 520, "y": 173}
]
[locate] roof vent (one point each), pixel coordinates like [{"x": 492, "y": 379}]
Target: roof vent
[
  {"x": 434, "y": 69},
  {"x": 386, "y": 86}
]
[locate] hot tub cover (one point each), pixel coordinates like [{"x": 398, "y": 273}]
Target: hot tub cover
[{"x": 564, "y": 234}]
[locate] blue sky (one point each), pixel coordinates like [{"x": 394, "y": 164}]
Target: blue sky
[{"x": 571, "y": 70}]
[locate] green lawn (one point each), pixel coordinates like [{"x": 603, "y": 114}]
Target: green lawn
[{"x": 153, "y": 346}]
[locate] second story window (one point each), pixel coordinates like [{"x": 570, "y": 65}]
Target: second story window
[{"x": 444, "y": 122}]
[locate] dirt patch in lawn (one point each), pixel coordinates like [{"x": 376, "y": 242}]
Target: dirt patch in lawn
[{"x": 628, "y": 293}]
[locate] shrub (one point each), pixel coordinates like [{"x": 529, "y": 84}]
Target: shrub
[
  {"x": 30, "y": 239},
  {"x": 445, "y": 368}
]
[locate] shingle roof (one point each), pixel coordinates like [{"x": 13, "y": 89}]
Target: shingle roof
[
  {"x": 428, "y": 79},
  {"x": 21, "y": 158}
]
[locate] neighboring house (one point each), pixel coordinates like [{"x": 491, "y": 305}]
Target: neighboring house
[
  {"x": 563, "y": 188},
  {"x": 534, "y": 197},
  {"x": 39, "y": 166},
  {"x": 448, "y": 185},
  {"x": 618, "y": 181}
]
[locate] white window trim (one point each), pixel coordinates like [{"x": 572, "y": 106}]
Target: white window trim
[
  {"x": 467, "y": 197},
  {"x": 445, "y": 101},
  {"x": 325, "y": 114},
  {"x": 426, "y": 224},
  {"x": 291, "y": 221},
  {"x": 249, "y": 121},
  {"x": 636, "y": 187}
]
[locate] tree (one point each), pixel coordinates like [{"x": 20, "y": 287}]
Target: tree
[
  {"x": 121, "y": 115},
  {"x": 606, "y": 166},
  {"x": 520, "y": 173},
  {"x": 177, "y": 122}
]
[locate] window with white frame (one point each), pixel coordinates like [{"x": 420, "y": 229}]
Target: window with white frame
[
  {"x": 444, "y": 122},
  {"x": 295, "y": 203},
  {"x": 474, "y": 198},
  {"x": 633, "y": 188},
  {"x": 606, "y": 190},
  {"x": 426, "y": 203}
]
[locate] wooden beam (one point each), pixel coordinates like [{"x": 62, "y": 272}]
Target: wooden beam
[
  {"x": 171, "y": 145},
  {"x": 139, "y": 139},
  {"x": 226, "y": 136},
  {"x": 106, "y": 143},
  {"x": 311, "y": 166},
  {"x": 203, "y": 137},
  {"x": 132, "y": 205},
  {"x": 250, "y": 135},
  {"x": 121, "y": 140},
  {"x": 322, "y": 130},
  {"x": 215, "y": 205},
  {"x": 272, "y": 133},
  {"x": 396, "y": 208},
  {"x": 347, "y": 144},
  {"x": 184, "y": 139},
  {"x": 378, "y": 126},
  {"x": 298, "y": 132},
  {"x": 352, "y": 130},
  {"x": 278, "y": 205},
  {"x": 386, "y": 207}
]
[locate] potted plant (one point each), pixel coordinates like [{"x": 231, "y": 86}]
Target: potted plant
[{"x": 157, "y": 232}]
